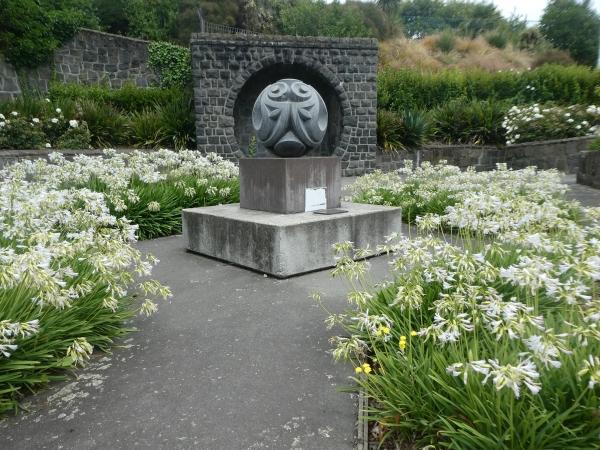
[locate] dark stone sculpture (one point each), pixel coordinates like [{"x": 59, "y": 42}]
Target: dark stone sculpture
[{"x": 290, "y": 118}]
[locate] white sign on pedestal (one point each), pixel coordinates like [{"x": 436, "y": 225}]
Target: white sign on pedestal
[{"x": 315, "y": 199}]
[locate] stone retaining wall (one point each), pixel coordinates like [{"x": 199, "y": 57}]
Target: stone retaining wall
[
  {"x": 561, "y": 154},
  {"x": 89, "y": 58},
  {"x": 589, "y": 169}
]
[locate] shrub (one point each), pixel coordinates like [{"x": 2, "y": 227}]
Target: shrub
[
  {"x": 469, "y": 122},
  {"x": 542, "y": 122},
  {"x": 552, "y": 56},
  {"x": 407, "y": 130},
  {"x": 413, "y": 89},
  {"x": 498, "y": 39},
  {"x": 76, "y": 137},
  {"x": 446, "y": 41},
  {"x": 128, "y": 98},
  {"x": 107, "y": 124},
  {"x": 178, "y": 120},
  {"x": 172, "y": 63},
  {"x": 147, "y": 128},
  {"x": 17, "y": 132}
]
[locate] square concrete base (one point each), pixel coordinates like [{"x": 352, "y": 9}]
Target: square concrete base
[
  {"x": 283, "y": 245},
  {"x": 279, "y": 184}
]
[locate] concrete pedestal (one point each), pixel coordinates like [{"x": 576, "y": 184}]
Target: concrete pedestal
[
  {"x": 283, "y": 245},
  {"x": 279, "y": 184}
]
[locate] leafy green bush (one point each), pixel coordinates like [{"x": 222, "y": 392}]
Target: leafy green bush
[
  {"x": 172, "y": 63},
  {"x": 129, "y": 98},
  {"x": 147, "y": 128},
  {"x": 497, "y": 38},
  {"x": 107, "y": 124},
  {"x": 446, "y": 41},
  {"x": 30, "y": 30},
  {"x": 413, "y": 89},
  {"x": 469, "y": 122},
  {"x": 178, "y": 120},
  {"x": 76, "y": 137},
  {"x": 405, "y": 130},
  {"x": 18, "y": 132}
]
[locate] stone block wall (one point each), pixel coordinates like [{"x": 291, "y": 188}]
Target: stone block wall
[
  {"x": 561, "y": 154},
  {"x": 589, "y": 169},
  {"x": 230, "y": 70},
  {"x": 89, "y": 58}
]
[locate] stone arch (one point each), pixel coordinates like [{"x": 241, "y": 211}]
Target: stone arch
[
  {"x": 327, "y": 83},
  {"x": 223, "y": 65}
]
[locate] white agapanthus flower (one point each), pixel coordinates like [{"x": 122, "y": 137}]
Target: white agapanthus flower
[{"x": 73, "y": 123}]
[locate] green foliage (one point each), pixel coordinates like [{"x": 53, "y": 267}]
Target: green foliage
[
  {"x": 107, "y": 124},
  {"x": 252, "y": 147},
  {"x": 178, "y": 120},
  {"x": 76, "y": 137},
  {"x": 128, "y": 98},
  {"x": 497, "y": 39},
  {"x": 151, "y": 19},
  {"x": 317, "y": 18},
  {"x": 543, "y": 122},
  {"x": 594, "y": 145},
  {"x": 422, "y": 17},
  {"x": 573, "y": 26},
  {"x": 446, "y": 41},
  {"x": 31, "y": 30},
  {"x": 464, "y": 121},
  {"x": 19, "y": 132},
  {"x": 413, "y": 89},
  {"x": 406, "y": 130},
  {"x": 147, "y": 129},
  {"x": 171, "y": 62}
]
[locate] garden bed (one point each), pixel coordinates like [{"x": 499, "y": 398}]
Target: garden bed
[{"x": 561, "y": 154}]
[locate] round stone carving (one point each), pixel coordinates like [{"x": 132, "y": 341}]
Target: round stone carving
[{"x": 290, "y": 118}]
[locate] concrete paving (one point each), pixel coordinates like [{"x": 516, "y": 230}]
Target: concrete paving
[
  {"x": 586, "y": 195},
  {"x": 236, "y": 360}
]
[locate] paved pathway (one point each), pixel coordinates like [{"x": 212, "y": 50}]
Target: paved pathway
[
  {"x": 237, "y": 360},
  {"x": 588, "y": 196}
]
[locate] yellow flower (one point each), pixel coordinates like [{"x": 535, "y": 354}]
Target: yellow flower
[
  {"x": 402, "y": 343},
  {"x": 358, "y": 369},
  {"x": 403, "y": 338},
  {"x": 413, "y": 333},
  {"x": 366, "y": 368}
]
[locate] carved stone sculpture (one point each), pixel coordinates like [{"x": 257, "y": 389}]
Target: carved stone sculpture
[{"x": 290, "y": 118}]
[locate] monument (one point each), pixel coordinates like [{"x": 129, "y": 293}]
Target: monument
[{"x": 290, "y": 212}]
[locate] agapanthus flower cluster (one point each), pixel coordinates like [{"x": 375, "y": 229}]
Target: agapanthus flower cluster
[
  {"x": 492, "y": 300},
  {"x": 539, "y": 122},
  {"x": 60, "y": 245}
]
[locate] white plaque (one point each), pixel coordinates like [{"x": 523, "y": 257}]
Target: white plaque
[{"x": 315, "y": 198}]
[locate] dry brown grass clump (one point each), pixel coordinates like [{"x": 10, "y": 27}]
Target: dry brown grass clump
[{"x": 467, "y": 54}]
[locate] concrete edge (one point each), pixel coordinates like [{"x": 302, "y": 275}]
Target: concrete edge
[{"x": 362, "y": 425}]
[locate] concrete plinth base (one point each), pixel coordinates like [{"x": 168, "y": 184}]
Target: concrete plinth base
[
  {"x": 284, "y": 244},
  {"x": 279, "y": 184}
]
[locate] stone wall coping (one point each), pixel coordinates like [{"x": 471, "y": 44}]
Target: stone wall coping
[
  {"x": 220, "y": 40},
  {"x": 117, "y": 36}
]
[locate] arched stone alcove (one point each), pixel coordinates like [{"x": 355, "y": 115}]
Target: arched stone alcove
[
  {"x": 230, "y": 71},
  {"x": 242, "y": 109}
]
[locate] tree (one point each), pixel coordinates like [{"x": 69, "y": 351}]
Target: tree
[{"x": 572, "y": 26}]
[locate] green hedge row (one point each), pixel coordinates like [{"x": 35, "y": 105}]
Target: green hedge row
[{"x": 413, "y": 89}]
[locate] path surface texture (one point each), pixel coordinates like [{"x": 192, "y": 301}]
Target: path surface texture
[{"x": 236, "y": 360}]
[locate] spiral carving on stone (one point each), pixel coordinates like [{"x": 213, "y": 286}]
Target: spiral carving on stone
[{"x": 290, "y": 118}]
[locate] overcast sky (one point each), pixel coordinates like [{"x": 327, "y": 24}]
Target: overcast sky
[{"x": 532, "y": 9}]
